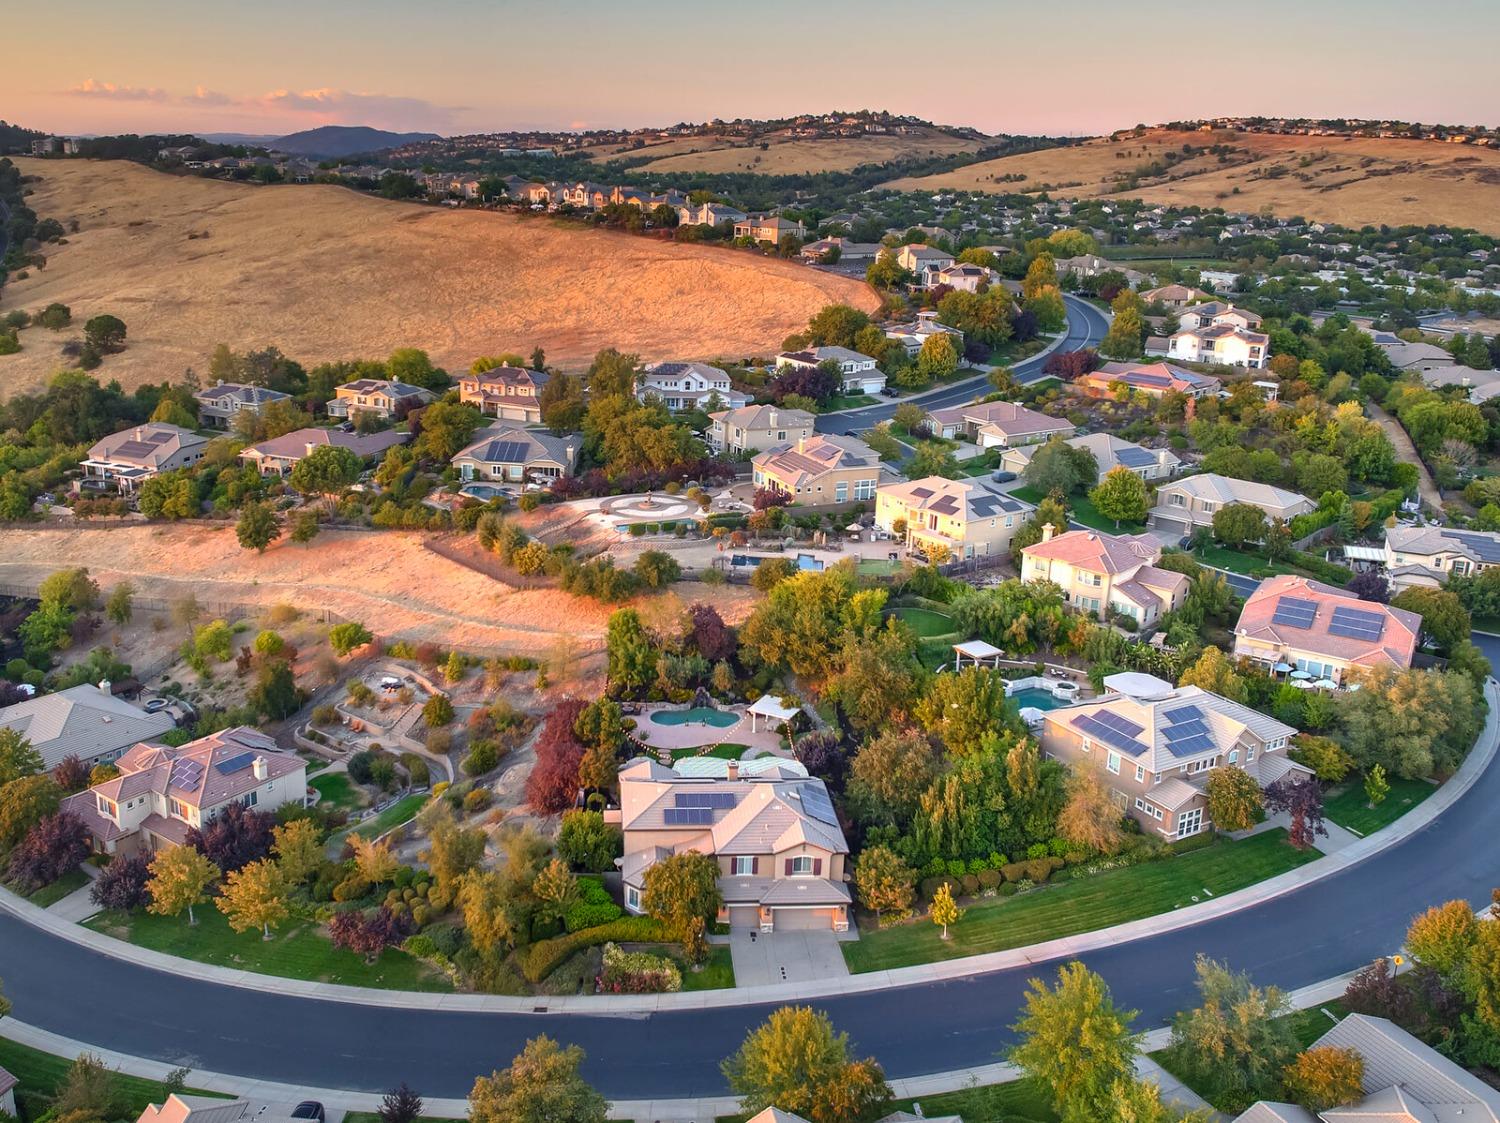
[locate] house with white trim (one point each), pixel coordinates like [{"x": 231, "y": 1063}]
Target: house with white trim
[
  {"x": 686, "y": 386},
  {"x": 860, "y": 374}
]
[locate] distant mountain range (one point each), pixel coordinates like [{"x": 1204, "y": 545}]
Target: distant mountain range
[{"x": 344, "y": 140}]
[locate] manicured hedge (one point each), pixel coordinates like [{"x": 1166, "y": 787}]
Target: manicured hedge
[{"x": 543, "y": 957}]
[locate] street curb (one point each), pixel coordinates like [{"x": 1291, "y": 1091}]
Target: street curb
[{"x": 1067, "y": 947}]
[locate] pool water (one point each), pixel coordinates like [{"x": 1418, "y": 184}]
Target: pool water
[
  {"x": 698, "y": 715},
  {"x": 1036, "y": 698}
]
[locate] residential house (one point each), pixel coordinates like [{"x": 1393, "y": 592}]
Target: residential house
[
  {"x": 753, "y": 428},
  {"x": 221, "y": 403},
  {"x": 1296, "y": 623},
  {"x": 996, "y": 424},
  {"x": 848, "y": 251},
  {"x": 515, "y": 455},
  {"x": 279, "y": 455},
  {"x": 822, "y": 468},
  {"x": 384, "y": 398},
  {"x": 164, "y": 791},
  {"x": 8, "y": 1094},
  {"x": 1109, "y": 452},
  {"x": 1151, "y": 379},
  {"x": 1481, "y": 385},
  {"x": 1102, "y": 573},
  {"x": 774, "y": 835},
  {"x": 709, "y": 214},
  {"x": 923, "y": 261},
  {"x": 961, "y": 275},
  {"x": 859, "y": 373},
  {"x": 1174, "y": 297},
  {"x": 769, "y": 228},
  {"x": 129, "y": 458},
  {"x": 1186, "y": 504},
  {"x": 776, "y": 1115},
  {"x": 1092, "y": 265},
  {"x": 583, "y": 195},
  {"x": 1426, "y": 556},
  {"x": 912, "y": 336},
  {"x": 86, "y": 721},
  {"x": 179, "y": 1108},
  {"x": 1154, "y": 745},
  {"x": 958, "y": 519},
  {"x": 1403, "y": 1081},
  {"x": 683, "y": 386},
  {"x": 1216, "y": 332},
  {"x": 509, "y": 393}
]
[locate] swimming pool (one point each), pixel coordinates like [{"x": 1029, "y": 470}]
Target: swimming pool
[
  {"x": 1036, "y": 698},
  {"x": 698, "y": 715}
]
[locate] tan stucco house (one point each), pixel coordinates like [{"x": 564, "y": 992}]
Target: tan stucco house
[
  {"x": 221, "y": 403},
  {"x": 1109, "y": 452},
  {"x": 1305, "y": 625},
  {"x": 382, "y": 397},
  {"x": 85, "y": 721},
  {"x": 1428, "y": 555},
  {"x": 516, "y": 455},
  {"x": 997, "y": 424},
  {"x": 753, "y": 428},
  {"x": 1102, "y": 573},
  {"x": 129, "y": 458},
  {"x": 1185, "y": 504},
  {"x": 822, "y": 468},
  {"x": 279, "y": 455},
  {"x": 509, "y": 393},
  {"x": 957, "y": 518}
]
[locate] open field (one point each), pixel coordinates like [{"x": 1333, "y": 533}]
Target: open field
[
  {"x": 325, "y": 273},
  {"x": 787, "y": 155},
  {"x": 1351, "y": 181}
]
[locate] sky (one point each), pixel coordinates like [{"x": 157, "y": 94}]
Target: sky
[{"x": 463, "y": 66}]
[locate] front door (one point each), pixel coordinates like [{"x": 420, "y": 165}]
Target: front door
[{"x": 1189, "y": 822}]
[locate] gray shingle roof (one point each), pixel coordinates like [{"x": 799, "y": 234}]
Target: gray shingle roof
[{"x": 81, "y": 721}]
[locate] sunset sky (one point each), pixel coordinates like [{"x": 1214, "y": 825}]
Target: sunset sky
[{"x": 455, "y": 66}]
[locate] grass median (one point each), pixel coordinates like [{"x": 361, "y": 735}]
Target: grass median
[{"x": 1083, "y": 904}]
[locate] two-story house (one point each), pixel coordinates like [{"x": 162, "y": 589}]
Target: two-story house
[
  {"x": 125, "y": 460},
  {"x": 997, "y": 424},
  {"x": 85, "y": 721},
  {"x": 954, "y": 519},
  {"x": 1429, "y": 555},
  {"x": 1217, "y": 333},
  {"x": 1191, "y": 502},
  {"x": 162, "y": 791},
  {"x": 775, "y": 836},
  {"x": 384, "y": 398},
  {"x": 962, "y": 275},
  {"x": 752, "y": 428},
  {"x": 859, "y": 374},
  {"x": 1151, "y": 379},
  {"x": 279, "y": 455},
  {"x": 221, "y": 403},
  {"x": 822, "y": 468},
  {"x": 1155, "y": 744},
  {"x": 509, "y": 393},
  {"x": 913, "y": 335},
  {"x": 769, "y": 228},
  {"x": 709, "y": 214},
  {"x": 1324, "y": 632},
  {"x": 1109, "y": 452},
  {"x": 515, "y": 455},
  {"x": 685, "y": 386},
  {"x": 923, "y": 261},
  {"x": 1104, "y": 573}
]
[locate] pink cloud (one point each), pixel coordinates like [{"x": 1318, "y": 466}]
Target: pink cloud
[{"x": 91, "y": 88}]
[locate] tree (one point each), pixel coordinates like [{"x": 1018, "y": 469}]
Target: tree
[
  {"x": 180, "y": 878},
  {"x": 451, "y": 850},
  {"x": 298, "y": 847},
  {"x": 1121, "y": 496},
  {"x": 304, "y": 526},
  {"x": 1370, "y": 585},
  {"x": 796, "y": 1062},
  {"x": 585, "y": 840},
  {"x": 682, "y": 891},
  {"x": 632, "y": 654},
  {"x": 1443, "y": 936},
  {"x": 938, "y": 358},
  {"x": 1126, "y": 332},
  {"x": 713, "y": 639},
  {"x": 1075, "y": 1041},
  {"x": 555, "y": 888},
  {"x": 447, "y": 427},
  {"x": 344, "y": 638},
  {"x": 1214, "y": 673},
  {"x": 373, "y": 858},
  {"x": 400, "y": 1105},
  {"x": 122, "y": 885},
  {"x": 54, "y": 845},
  {"x": 1303, "y": 800},
  {"x": 18, "y": 758},
  {"x": 889, "y": 774},
  {"x": 90, "y": 1090},
  {"x": 1445, "y": 621},
  {"x": 944, "y": 912},
  {"x": 258, "y": 526},
  {"x": 1090, "y": 818},
  {"x": 255, "y": 896},
  {"x": 23, "y": 804},
  {"x": 554, "y": 780},
  {"x": 542, "y": 1085},
  {"x": 1234, "y": 799},
  {"x": 965, "y": 708},
  {"x": 657, "y": 569},
  {"x": 104, "y": 334},
  {"x": 72, "y": 589},
  {"x": 1234, "y": 1042},
  {"x": 1239, "y": 524},
  {"x": 275, "y": 693},
  {"x": 1376, "y": 786},
  {"x": 326, "y": 471},
  {"x": 1325, "y": 1077},
  {"x": 118, "y": 608},
  {"x": 883, "y": 880},
  {"x": 233, "y": 838},
  {"x": 1060, "y": 467}
]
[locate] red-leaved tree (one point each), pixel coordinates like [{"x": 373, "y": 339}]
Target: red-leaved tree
[
  {"x": 234, "y": 838},
  {"x": 53, "y": 846},
  {"x": 711, "y": 636},
  {"x": 1303, "y": 801},
  {"x": 553, "y": 783}
]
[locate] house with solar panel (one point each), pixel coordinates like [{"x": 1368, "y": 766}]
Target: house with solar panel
[
  {"x": 1154, "y": 746},
  {"x": 221, "y": 403},
  {"x": 956, "y": 518},
  {"x": 125, "y": 460},
  {"x": 1152, "y": 379},
  {"x": 517, "y": 455},
  {"x": 1191, "y": 502},
  {"x": 822, "y": 468},
  {"x": 164, "y": 791},
  {"x": 774, "y": 834},
  {"x": 1426, "y": 556},
  {"x": 1296, "y": 626},
  {"x": 684, "y": 386},
  {"x": 1109, "y": 452}
]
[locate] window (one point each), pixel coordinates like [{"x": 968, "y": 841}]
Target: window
[
  {"x": 1249, "y": 753},
  {"x": 742, "y": 867},
  {"x": 632, "y": 898},
  {"x": 1112, "y": 762},
  {"x": 179, "y": 809},
  {"x": 1176, "y": 500},
  {"x": 1088, "y": 746},
  {"x": 802, "y": 865},
  {"x": 840, "y": 492},
  {"x": 864, "y": 489},
  {"x": 1234, "y": 756},
  {"x": 1189, "y": 822},
  {"x": 1140, "y": 773}
]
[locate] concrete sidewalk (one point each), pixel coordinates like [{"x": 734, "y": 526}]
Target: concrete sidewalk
[{"x": 76, "y": 907}]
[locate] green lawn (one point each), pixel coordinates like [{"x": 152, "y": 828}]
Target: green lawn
[
  {"x": 298, "y": 950},
  {"x": 401, "y": 811},
  {"x": 878, "y": 567},
  {"x": 41, "y": 1074},
  {"x": 51, "y": 894},
  {"x": 1020, "y": 1101},
  {"x": 338, "y": 791},
  {"x": 725, "y": 750},
  {"x": 1082, "y": 905},
  {"x": 847, "y": 401},
  {"x": 717, "y": 973},
  {"x": 1349, "y": 807},
  {"x": 1081, "y": 508},
  {"x": 1237, "y": 561},
  {"x": 925, "y": 622}
]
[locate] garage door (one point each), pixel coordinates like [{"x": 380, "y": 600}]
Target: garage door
[
  {"x": 744, "y": 917},
  {"x": 803, "y": 920},
  {"x": 1178, "y": 527}
]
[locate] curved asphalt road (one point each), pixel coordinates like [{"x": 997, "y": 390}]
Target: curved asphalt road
[
  {"x": 1315, "y": 933},
  {"x": 1087, "y": 326}
]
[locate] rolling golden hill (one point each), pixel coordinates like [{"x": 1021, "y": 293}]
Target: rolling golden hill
[
  {"x": 788, "y": 155},
  {"x": 1351, "y": 181},
  {"x": 325, "y": 273}
]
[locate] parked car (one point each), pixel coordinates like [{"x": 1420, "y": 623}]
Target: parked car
[
  {"x": 1003, "y": 477},
  {"x": 309, "y": 1109}
]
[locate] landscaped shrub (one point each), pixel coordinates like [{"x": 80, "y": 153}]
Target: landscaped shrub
[
  {"x": 478, "y": 800},
  {"x": 417, "y": 769},
  {"x": 483, "y": 757},
  {"x": 352, "y": 888},
  {"x": 970, "y": 883},
  {"x": 637, "y": 972},
  {"x": 989, "y": 879},
  {"x": 594, "y": 906},
  {"x": 1040, "y": 869},
  {"x": 929, "y": 886},
  {"x": 539, "y": 960},
  {"x": 1013, "y": 871}
]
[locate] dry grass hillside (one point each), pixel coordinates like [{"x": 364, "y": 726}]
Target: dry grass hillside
[
  {"x": 787, "y": 155},
  {"x": 324, "y": 273},
  {"x": 1350, "y": 181}
]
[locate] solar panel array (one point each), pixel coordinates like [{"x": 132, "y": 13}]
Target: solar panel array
[
  {"x": 688, "y": 816},
  {"x": 1182, "y": 713},
  {"x": 1113, "y": 730},
  {"x": 1355, "y": 623},
  {"x": 705, "y": 799},
  {"x": 186, "y": 774},
  {"x": 507, "y": 452},
  {"x": 1294, "y": 612},
  {"x": 816, "y": 803},
  {"x": 1186, "y": 733},
  {"x": 1135, "y": 457},
  {"x": 237, "y": 763}
]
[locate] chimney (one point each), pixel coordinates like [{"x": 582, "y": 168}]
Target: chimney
[
  {"x": 773, "y": 419},
  {"x": 801, "y": 444},
  {"x": 1048, "y": 530},
  {"x": 104, "y": 687},
  {"x": 260, "y": 768},
  {"x": 733, "y": 770}
]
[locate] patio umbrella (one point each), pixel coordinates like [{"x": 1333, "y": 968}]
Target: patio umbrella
[
  {"x": 1282, "y": 668},
  {"x": 1303, "y": 684},
  {"x": 1326, "y": 684},
  {"x": 1301, "y": 675}
]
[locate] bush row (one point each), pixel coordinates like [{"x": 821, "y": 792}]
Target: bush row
[{"x": 541, "y": 958}]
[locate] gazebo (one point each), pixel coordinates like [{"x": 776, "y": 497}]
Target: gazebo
[
  {"x": 978, "y": 652},
  {"x": 769, "y": 706}
]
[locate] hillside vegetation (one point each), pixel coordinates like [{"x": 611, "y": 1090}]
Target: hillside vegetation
[
  {"x": 784, "y": 155},
  {"x": 324, "y": 274},
  {"x": 1352, "y": 181}
]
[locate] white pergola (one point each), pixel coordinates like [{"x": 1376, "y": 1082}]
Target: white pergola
[
  {"x": 977, "y": 651},
  {"x": 769, "y": 706}
]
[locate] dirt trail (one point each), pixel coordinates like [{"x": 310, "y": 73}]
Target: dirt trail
[{"x": 1406, "y": 452}]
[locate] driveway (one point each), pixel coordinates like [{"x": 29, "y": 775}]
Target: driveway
[{"x": 785, "y": 957}]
